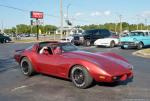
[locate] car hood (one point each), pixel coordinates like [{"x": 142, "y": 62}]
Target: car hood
[
  {"x": 129, "y": 39},
  {"x": 110, "y": 64}
]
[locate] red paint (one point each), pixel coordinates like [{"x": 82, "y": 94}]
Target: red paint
[{"x": 97, "y": 64}]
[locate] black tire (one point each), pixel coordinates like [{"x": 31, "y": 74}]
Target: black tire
[
  {"x": 3, "y": 41},
  {"x": 6, "y": 41},
  {"x": 122, "y": 47},
  {"x": 80, "y": 77},
  {"x": 112, "y": 44},
  {"x": 87, "y": 43},
  {"x": 140, "y": 45},
  {"x": 26, "y": 67}
]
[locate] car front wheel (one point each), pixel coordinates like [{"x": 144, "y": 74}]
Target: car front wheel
[
  {"x": 80, "y": 77},
  {"x": 140, "y": 45},
  {"x": 26, "y": 67},
  {"x": 87, "y": 43},
  {"x": 122, "y": 47}
]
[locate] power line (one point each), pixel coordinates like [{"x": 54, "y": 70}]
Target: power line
[
  {"x": 11, "y": 7},
  {"x": 25, "y": 10}
]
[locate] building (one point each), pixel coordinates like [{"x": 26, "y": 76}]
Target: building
[{"x": 69, "y": 30}]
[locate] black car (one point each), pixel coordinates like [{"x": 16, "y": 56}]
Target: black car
[
  {"x": 4, "y": 39},
  {"x": 90, "y": 36}
]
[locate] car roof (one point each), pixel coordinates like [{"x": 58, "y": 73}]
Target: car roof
[{"x": 141, "y": 31}]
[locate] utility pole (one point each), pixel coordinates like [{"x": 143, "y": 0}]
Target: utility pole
[
  {"x": 68, "y": 18},
  {"x": 120, "y": 17},
  {"x": 2, "y": 26},
  {"x": 61, "y": 18},
  {"x": 146, "y": 24},
  {"x": 137, "y": 27}
]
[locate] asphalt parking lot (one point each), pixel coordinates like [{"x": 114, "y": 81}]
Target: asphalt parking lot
[{"x": 14, "y": 86}]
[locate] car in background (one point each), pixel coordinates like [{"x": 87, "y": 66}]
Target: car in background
[
  {"x": 136, "y": 39},
  {"x": 68, "y": 62},
  {"x": 70, "y": 37},
  {"x": 90, "y": 36},
  {"x": 109, "y": 41},
  {"x": 4, "y": 39}
]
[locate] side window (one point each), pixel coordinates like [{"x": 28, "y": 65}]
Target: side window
[
  {"x": 147, "y": 34},
  {"x": 105, "y": 33},
  {"x": 96, "y": 32}
]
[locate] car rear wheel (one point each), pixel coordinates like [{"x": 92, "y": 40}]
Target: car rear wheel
[
  {"x": 112, "y": 44},
  {"x": 80, "y": 77},
  {"x": 26, "y": 67},
  {"x": 140, "y": 45}
]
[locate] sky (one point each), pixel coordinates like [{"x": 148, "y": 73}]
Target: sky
[{"x": 80, "y": 12}]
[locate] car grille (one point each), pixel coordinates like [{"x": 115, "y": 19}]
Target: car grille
[
  {"x": 76, "y": 38},
  {"x": 127, "y": 43}
]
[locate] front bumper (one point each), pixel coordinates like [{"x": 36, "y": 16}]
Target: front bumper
[
  {"x": 78, "y": 42},
  {"x": 129, "y": 44},
  {"x": 111, "y": 79}
]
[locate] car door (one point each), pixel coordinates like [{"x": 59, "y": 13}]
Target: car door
[
  {"x": 46, "y": 63},
  {"x": 147, "y": 38},
  {"x": 95, "y": 35},
  {"x": 53, "y": 64}
]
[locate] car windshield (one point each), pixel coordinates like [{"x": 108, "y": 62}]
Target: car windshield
[
  {"x": 67, "y": 47},
  {"x": 136, "y": 34},
  {"x": 1, "y": 34},
  {"x": 88, "y": 32}
]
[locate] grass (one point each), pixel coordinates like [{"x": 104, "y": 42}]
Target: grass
[{"x": 147, "y": 51}]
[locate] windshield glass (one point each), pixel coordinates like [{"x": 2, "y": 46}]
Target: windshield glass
[
  {"x": 136, "y": 34},
  {"x": 67, "y": 47},
  {"x": 88, "y": 32}
]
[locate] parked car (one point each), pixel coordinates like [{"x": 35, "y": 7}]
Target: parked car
[
  {"x": 69, "y": 38},
  {"x": 109, "y": 41},
  {"x": 4, "y": 39},
  {"x": 90, "y": 36},
  {"x": 82, "y": 68},
  {"x": 136, "y": 39}
]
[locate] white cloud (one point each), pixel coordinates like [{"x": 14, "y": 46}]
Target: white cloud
[
  {"x": 104, "y": 13},
  {"x": 96, "y": 13},
  {"x": 107, "y": 13},
  {"x": 146, "y": 14},
  {"x": 78, "y": 14},
  {"x": 65, "y": 15}
]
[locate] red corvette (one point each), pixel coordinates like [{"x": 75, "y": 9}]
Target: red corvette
[{"x": 66, "y": 61}]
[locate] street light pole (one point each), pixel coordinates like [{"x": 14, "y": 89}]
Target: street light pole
[
  {"x": 67, "y": 11},
  {"x": 61, "y": 18}
]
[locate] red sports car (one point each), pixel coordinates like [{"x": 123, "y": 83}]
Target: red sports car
[{"x": 64, "y": 60}]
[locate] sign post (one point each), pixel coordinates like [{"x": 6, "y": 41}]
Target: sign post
[{"x": 37, "y": 15}]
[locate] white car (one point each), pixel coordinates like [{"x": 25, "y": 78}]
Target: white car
[
  {"x": 108, "y": 42},
  {"x": 67, "y": 39}
]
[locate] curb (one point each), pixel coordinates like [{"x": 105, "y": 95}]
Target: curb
[{"x": 141, "y": 54}]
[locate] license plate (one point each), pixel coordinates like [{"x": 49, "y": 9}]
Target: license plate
[{"x": 125, "y": 46}]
